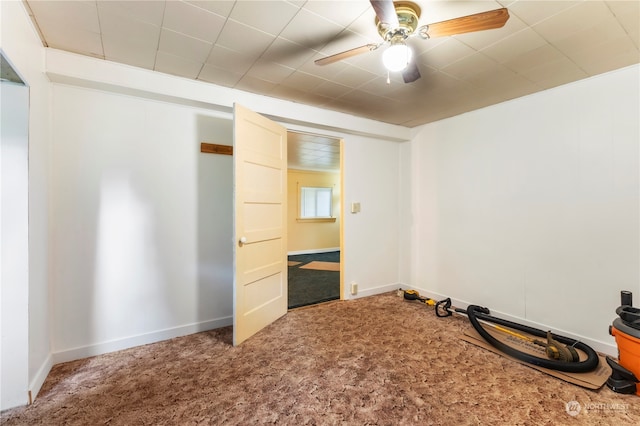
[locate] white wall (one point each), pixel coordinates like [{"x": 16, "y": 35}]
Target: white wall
[
  {"x": 14, "y": 250},
  {"x": 371, "y": 244},
  {"x": 531, "y": 207},
  {"x": 128, "y": 199},
  {"x": 141, "y": 221},
  {"x": 20, "y": 43}
]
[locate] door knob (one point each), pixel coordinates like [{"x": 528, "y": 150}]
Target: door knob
[{"x": 243, "y": 240}]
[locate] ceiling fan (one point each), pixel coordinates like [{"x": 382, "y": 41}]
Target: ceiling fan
[{"x": 398, "y": 21}]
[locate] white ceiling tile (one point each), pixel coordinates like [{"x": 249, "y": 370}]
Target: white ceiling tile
[
  {"x": 297, "y": 95},
  {"x": 446, "y": 53},
  {"x": 605, "y": 30},
  {"x": 500, "y": 78},
  {"x": 219, "y": 7},
  {"x": 419, "y": 45},
  {"x": 609, "y": 55},
  {"x": 553, "y": 73},
  {"x": 150, "y": 12},
  {"x": 572, "y": 20},
  {"x": 534, "y": 58},
  {"x": 628, "y": 14},
  {"x": 346, "y": 40},
  {"x": 398, "y": 115},
  {"x": 118, "y": 50},
  {"x": 178, "y": 44},
  {"x": 254, "y": 85},
  {"x": 613, "y": 63},
  {"x": 236, "y": 36},
  {"x": 189, "y": 19},
  {"x": 219, "y": 76},
  {"x": 303, "y": 81},
  {"x": 253, "y": 13},
  {"x": 327, "y": 72},
  {"x": 287, "y": 53},
  {"x": 355, "y": 77},
  {"x": 58, "y": 15},
  {"x": 332, "y": 90},
  {"x": 370, "y": 61},
  {"x": 307, "y": 28},
  {"x": 268, "y": 71},
  {"x": 365, "y": 25},
  {"x": 515, "y": 45},
  {"x": 346, "y": 13},
  {"x": 366, "y": 99},
  {"x": 481, "y": 39},
  {"x": 395, "y": 88},
  {"x": 133, "y": 45},
  {"x": 435, "y": 82},
  {"x": 533, "y": 11},
  {"x": 83, "y": 42},
  {"x": 221, "y": 57},
  {"x": 341, "y": 105},
  {"x": 635, "y": 37},
  {"x": 115, "y": 24},
  {"x": 470, "y": 65},
  {"x": 176, "y": 65},
  {"x": 454, "y": 93},
  {"x": 441, "y": 81}
]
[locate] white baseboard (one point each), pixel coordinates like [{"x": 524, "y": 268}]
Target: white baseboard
[
  {"x": 313, "y": 251},
  {"x": 372, "y": 291},
  {"x": 597, "y": 345},
  {"x": 142, "y": 339},
  {"x": 40, "y": 377}
]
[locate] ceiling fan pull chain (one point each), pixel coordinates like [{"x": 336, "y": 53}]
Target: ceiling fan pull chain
[{"x": 388, "y": 78}]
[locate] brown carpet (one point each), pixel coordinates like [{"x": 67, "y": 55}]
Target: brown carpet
[
  {"x": 322, "y": 266},
  {"x": 378, "y": 360}
]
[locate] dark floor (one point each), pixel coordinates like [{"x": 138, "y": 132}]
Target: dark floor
[{"x": 310, "y": 286}]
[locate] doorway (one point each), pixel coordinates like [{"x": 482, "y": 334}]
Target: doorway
[{"x": 314, "y": 220}]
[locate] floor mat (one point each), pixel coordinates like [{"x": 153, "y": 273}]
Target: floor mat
[
  {"x": 322, "y": 266},
  {"x": 591, "y": 380}
]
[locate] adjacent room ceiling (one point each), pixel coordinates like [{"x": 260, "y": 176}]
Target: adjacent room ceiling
[
  {"x": 313, "y": 152},
  {"x": 269, "y": 48}
]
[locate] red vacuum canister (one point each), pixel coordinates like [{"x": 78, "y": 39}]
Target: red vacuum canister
[{"x": 626, "y": 330}]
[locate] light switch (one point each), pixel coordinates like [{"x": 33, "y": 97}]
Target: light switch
[{"x": 355, "y": 207}]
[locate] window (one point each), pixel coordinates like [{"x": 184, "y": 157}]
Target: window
[{"x": 315, "y": 203}]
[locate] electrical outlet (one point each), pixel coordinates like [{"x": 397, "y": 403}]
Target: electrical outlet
[{"x": 354, "y": 288}]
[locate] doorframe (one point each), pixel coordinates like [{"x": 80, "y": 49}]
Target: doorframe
[{"x": 342, "y": 210}]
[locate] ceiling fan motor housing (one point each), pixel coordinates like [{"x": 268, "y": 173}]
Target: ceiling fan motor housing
[{"x": 408, "y": 17}]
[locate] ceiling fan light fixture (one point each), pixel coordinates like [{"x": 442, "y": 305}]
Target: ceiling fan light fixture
[{"x": 397, "y": 56}]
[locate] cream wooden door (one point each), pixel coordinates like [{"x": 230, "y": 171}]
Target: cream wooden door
[{"x": 260, "y": 194}]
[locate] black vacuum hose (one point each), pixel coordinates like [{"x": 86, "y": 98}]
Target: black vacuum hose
[{"x": 591, "y": 363}]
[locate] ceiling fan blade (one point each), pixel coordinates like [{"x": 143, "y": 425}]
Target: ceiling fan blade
[
  {"x": 467, "y": 24},
  {"x": 386, "y": 12},
  {"x": 411, "y": 72},
  {"x": 347, "y": 54}
]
